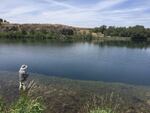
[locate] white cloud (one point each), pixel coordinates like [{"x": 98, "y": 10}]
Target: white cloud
[{"x": 62, "y": 12}]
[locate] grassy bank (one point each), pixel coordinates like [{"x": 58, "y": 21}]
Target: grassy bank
[{"x": 73, "y": 96}]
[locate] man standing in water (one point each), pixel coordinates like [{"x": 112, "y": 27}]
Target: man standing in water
[{"x": 23, "y": 75}]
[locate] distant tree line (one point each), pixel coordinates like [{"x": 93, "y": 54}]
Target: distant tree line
[
  {"x": 137, "y": 33},
  {"x": 62, "y": 32}
]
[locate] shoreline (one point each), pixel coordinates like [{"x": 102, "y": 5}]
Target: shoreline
[{"x": 65, "y": 90}]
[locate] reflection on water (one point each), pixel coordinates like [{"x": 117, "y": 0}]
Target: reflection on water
[
  {"x": 126, "y": 62},
  {"x": 127, "y": 44}
]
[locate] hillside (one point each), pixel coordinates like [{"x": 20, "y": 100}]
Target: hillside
[
  {"x": 103, "y": 33},
  {"x": 45, "y": 31}
]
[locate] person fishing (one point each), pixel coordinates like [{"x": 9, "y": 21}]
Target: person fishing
[{"x": 23, "y": 75}]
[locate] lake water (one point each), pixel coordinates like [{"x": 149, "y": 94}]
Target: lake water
[{"x": 83, "y": 61}]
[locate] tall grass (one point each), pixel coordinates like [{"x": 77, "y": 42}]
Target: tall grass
[
  {"x": 99, "y": 110},
  {"x": 110, "y": 103},
  {"x": 24, "y": 103},
  {"x": 27, "y": 105}
]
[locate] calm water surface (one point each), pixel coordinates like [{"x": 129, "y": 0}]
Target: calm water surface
[{"x": 84, "y": 61}]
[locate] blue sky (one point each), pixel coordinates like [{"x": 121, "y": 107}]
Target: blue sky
[{"x": 82, "y": 13}]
